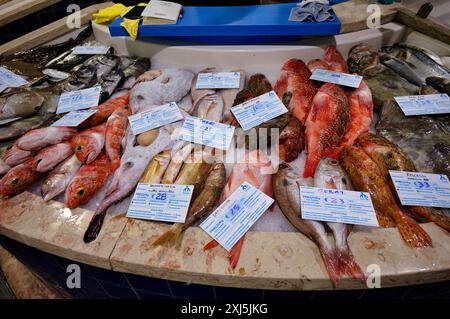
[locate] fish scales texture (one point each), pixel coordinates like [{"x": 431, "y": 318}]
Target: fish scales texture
[
  {"x": 115, "y": 131},
  {"x": 18, "y": 179},
  {"x": 292, "y": 140},
  {"x": 335, "y": 60},
  {"x": 88, "y": 144},
  {"x": 366, "y": 176},
  {"x": 14, "y": 155},
  {"x": 104, "y": 110},
  {"x": 42, "y": 137},
  {"x": 51, "y": 156},
  {"x": 326, "y": 125}
]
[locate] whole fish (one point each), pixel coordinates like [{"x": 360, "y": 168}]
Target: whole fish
[
  {"x": 20, "y": 127},
  {"x": 132, "y": 166},
  {"x": 389, "y": 156},
  {"x": 384, "y": 83},
  {"x": 14, "y": 155},
  {"x": 22, "y": 103},
  {"x": 326, "y": 125},
  {"x": 318, "y": 64},
  {"x": 292, "y": 140},
  {"x": 115, "y": 131},
  {"x": 403, "y": 69},
  {"x": 228, "y": 96},
  {"x": 88, "y": 144},
  {"x": 18, "y": 179},
  {"x": 286, "y": 187},
  {"x": 51, "y": 156},
  {"x": 440, "y": 84},
  {"x": 418, "y": 59},
  {"x": 255, "y": 168},
  {"x": 201, "y": 207},
  {"x": 104, "y": 110},
  {"x": 4, "y": 147},
  {"x": 193, "y": 174},
  {"x": 89, "y": 179},
  {"x": 295, "y": 88},
  {"x": 198, "y": 94},
  {"x": 329, "y": 174},
  {"x": 58, "y": 180},
  {"x": 176, "y": 162},
  {"x": 366, "y": 176},
  {"x": 211, "y": 108},
  {"x": 42, "y": 137},
  {"x": 110, "y": 83},
  {"x": 155, "y": 170},
  {"x": 133, "y": 71},
  {"x": 335, "y": 60}
]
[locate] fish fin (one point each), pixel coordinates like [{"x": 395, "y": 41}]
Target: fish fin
[
  {"x": 412, "y": 233},
  {"x": 235, "y": 253},
  {"x": 170, "y": 236},
  {"x": 94, "y": 227},
  {"x": 348, "y": 266},
  {"x": 432, "y": 215},
  {"x": 213, "y": 243},
  {"x": 331, "y": 262},
  {"x": 383, "y": 220}
]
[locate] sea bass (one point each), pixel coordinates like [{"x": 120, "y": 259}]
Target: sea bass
[
  {"x": 366, "y": 176},
  {"x": 42, "y": 137},
  {"x": 329, "y": 174},
  {"x": 326, "y": 125},
  {"x": 14, "y": 155},
  {"x": 18, "y": 179},
  {"x": 60, "y": 177},
  {"x": 295, "y": 88},
  {"x": 89, "y": 179},
  {"x": 88, "y": 144},
  {"x": 115, "y": 131}
]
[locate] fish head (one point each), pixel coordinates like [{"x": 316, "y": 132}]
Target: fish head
[
  {"x": 86, "y": 153},
  {"x": 394, "y": 51},
  {"x": 361, "y": 58},
  {"x": 297, "y": 66},
  {"x": 79, "y": 192},
  {"x": 330, "y": 174},
  {"x": 17, "y": 179}
]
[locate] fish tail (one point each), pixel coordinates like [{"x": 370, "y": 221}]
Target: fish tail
[
  {"x": 348, "y": 265},
  {"x": 170, "y": 236},
  {"x": 412, "y": 233},
  {"x": 331, "y": 262},
  {"x": 384, "y": 220},
  {"x": 432, "y": 215},
  {"x": 94, "y": 227},
  {"x": 235, "y": 253},
  {"x": 213, "y": 243}
]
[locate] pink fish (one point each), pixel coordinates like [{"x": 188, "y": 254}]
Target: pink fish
[
  {"x": 51, "y": 156},
  {"x": 88, "y": 144},
  {"x": 39, "y": 138},
  {"x": 15, "y": 156}
]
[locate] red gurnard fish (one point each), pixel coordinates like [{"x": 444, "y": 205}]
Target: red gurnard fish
[
  {"x": 105, "y": 110},
  {"x": 115, "y": 131},
  {"x": 255, "y": 168},
  {"x": 295, "y": 88},
  {"x": 88, "y": 144},
  {"x": 326, "y": 125},
  {"x": 87, "y": 182},
  {"x": 18, "y": 179},
  {"x": 335, "y": 60}
]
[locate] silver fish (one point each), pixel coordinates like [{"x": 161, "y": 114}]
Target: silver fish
[{"x": 402, "y": 68}]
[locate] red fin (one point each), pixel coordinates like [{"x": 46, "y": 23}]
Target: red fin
[
  {"x": 331, "y": 262},
  {"x": 235, "y": 253},
  {"x": 348, "y": 266},
  {"x": 211, "y": 245},
  {"x": 412, "y": 233}
]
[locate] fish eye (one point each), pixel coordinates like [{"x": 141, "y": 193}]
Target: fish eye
[
  {"x": 9, "y": 147},
  {"x": 14, "y": 181},
  {"x": 79, "y": 148},
  {"x": 80, "y": 192},
  {"x": 344, "y": 181},
  {"x": 334, "y": 162}
]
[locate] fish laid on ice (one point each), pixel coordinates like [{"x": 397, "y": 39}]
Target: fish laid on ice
[
  {"x": 366, "y": 176},
  {"x": 330, "y": 174},
  {"x": 104, "y": 110},
  {"x": 201, "y": 207},
  {"x": 115, "y": 131},
  {"x": 88, "y": 144},
  {"x": 42, "y": 137},
  {"x": 51, "y": 156},
  {"x": 58, "y": 180},
  {"x": 21, "y": 103},
  {"x": 18, "y": 179},
  {"x": 295, "y": 88},
  {"x": 89, "y": 179},
  {"x": 326, "y": 125},
  {"x": 389, "y": 156},
  {"x": 14, "y": 155}
]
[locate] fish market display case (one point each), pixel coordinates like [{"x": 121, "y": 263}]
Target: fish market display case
[{"x": 274, "y": 255}]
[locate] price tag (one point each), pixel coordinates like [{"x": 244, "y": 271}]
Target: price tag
[
  {"x": 231, "y": 220},
  {"x": 218, "y": 80},
  {"x": 6, "y": 121},
  {"x": 205, "y": 132},
  {"x": 339, "y": 78},
  {"x": 77, "y": 100},
  {"x": 91, "y": 50},
  {"x": 163, "y": 202},
  {"x": 339, "y": 206},
  {"x": 421, "y": 189},
  {"x": 74, "y": 118},
  {"x": 154, "y": 118},
  {"x": 258, "y": 110},
  {"x": 9, "y": 79},
  {"x": 424, "y": 104}
]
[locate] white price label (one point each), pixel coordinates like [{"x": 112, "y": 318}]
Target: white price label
[
  {"x": 74, "y": 118},
  {"x": 91, "y": 50},
  {"x": 424, "y": 104},
  {"x": 218, "y": 80},
  {"x": 9, "y": 79},
  {"x": 339, "y": 78},
  {"x": 154, "y": 118},
  {"x": 78, "y": 100}
]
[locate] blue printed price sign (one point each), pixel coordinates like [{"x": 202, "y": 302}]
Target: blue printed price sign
[
  {"x": 231, "y": 220},
  {"x": 424, "y": 104},
  {"x": 78, "y": 100},
  {"x": 258, "y": 110},
  {"x": 339, "y": 78},
  {"x": 154, "y": 118},
  {"x": 422, "y": 189},
  {"x": 9, "y": 79},
  {"x": 339, "y": 206},
  {"x": 91, "y": 50},
  {"x": 74, "y": 118},
  {"x": 218, "y": 80},
  {"x": 162, "y": 202}
]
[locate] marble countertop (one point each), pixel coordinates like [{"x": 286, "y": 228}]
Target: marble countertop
[{"x": 269, "y": 260}]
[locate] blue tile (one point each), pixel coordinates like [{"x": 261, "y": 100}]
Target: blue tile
[
  {"x": 119, "y": 292},
  {"x": 191, "y": 291},
  {"x": 109, "y": 276},
  {"x": 148, "y": 295},
  {"x": 287, "y": 295},
  {"x": 154, "y": 285},
  {"x": 237, "y": 293}
]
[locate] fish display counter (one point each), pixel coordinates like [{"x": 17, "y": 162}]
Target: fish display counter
[{"x": 127, "y": 155}]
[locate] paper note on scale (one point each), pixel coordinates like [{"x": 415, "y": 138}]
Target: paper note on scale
[{"x": 161, "y": 12}]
